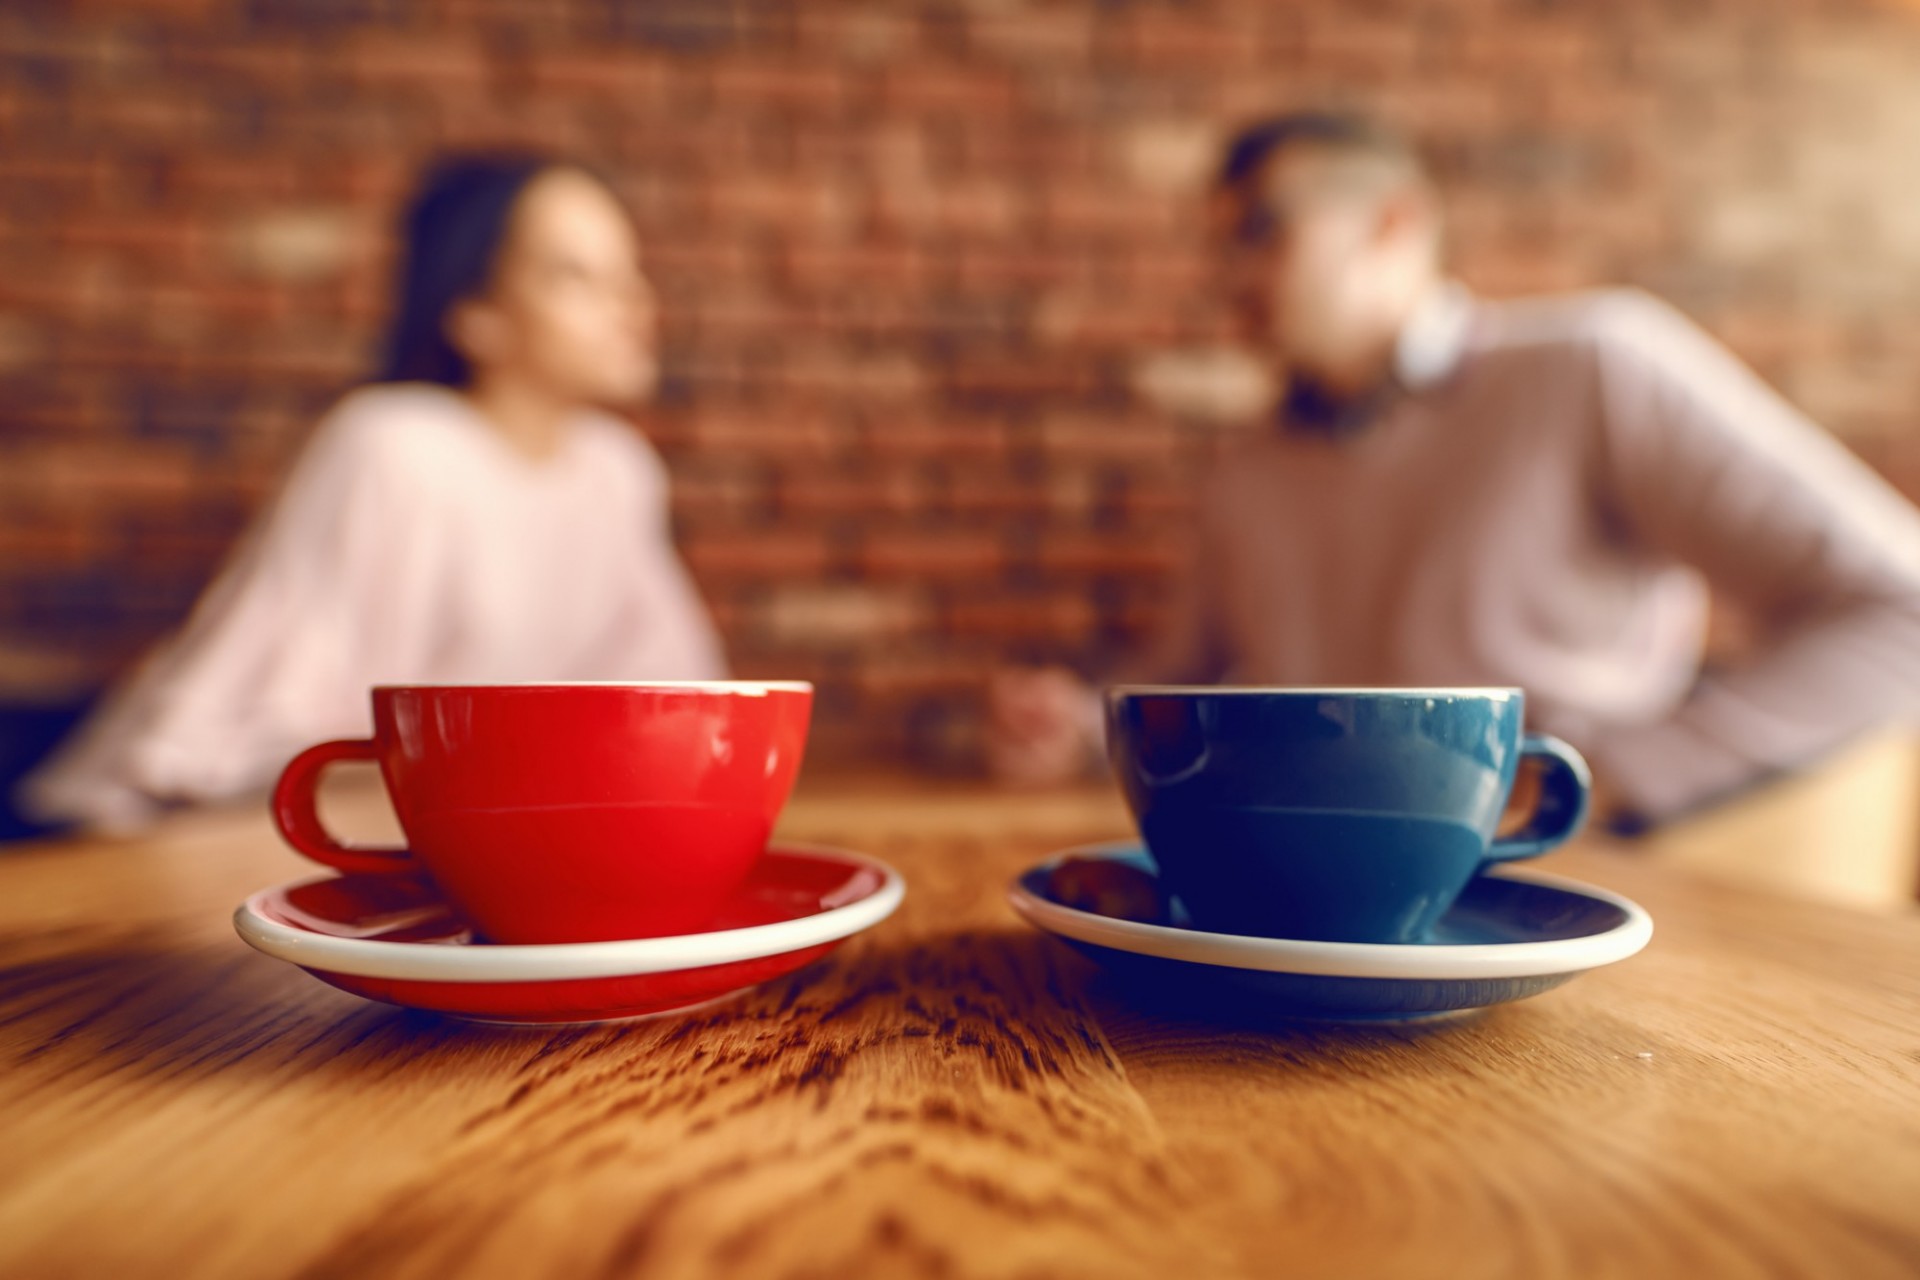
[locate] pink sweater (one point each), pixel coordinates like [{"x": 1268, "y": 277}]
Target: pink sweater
[
  {"x": 410, "y": 545},
  {"x": 1547, "y": 508}
]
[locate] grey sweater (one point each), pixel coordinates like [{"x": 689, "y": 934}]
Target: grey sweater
[{"x": 1547, "y": 507}]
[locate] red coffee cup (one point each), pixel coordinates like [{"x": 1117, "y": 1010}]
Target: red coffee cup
[{"x": 570, "y": 812}]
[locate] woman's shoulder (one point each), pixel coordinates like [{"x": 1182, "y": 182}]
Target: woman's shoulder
[
  {"x": 417, "y": 432},
  {"x": 431, "y": 434},
  {"x": 395, "y": 416},
  {"x": 620, "y": 444}
]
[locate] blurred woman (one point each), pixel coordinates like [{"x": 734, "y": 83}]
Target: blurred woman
[{"x": 473, "y": 516}]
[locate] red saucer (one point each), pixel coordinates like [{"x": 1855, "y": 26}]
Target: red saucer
[{"x": 396, "y": 940}]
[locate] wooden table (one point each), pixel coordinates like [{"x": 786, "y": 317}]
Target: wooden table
[{"x": 952, "y": 1094}]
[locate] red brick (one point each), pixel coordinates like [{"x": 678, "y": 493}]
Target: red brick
[
  {"x": 837, "y": 268},
  {"x": 1079, "y": 438},
  {"x": 873, "y": 379},
  {"x": 774, "y": 433},
  {"x": 731, "y": 318},
  {"x": 84, "y": 49},
  {"x": 1012, "y": 378},
  {"x": 993, "y": 498},
  {"x": 158, "y": 117},
  {"x": 227, "y": 176},
  {"x": 726, "y": 495},
  {"x": 1014, "y": 269},
  {"x": 754, "y": 555},
  {"x": 1379, "y": 50},
  {"x": 193, "y": 10},
  {"x": 1042, "y": 154},
  {"x": 750, "y": 85},
  {"x": 667, "y": 259},
  {"x": 965, "y": 439},
  {"x": 1061, "y": 37},
  {"x": 1167, "y": 510},
  {"x": 1116, "y": 212},
  {"x": 1180, "y": 271},
  {"x": 937, "y": 89},
  {"x": 909, "y": 676},
  {"x": 1165, "y": 39},
  {"x": 176, "y": 239},
  {"x": 270, "y": 64},
  {"x": 50, "y": 546},
  {"x": 859, "y": 37},
  {"x": 1064, "y": 617},
  {"x": 629, "y": 77},
  {"x": 840, "y": 615},
  {"x": 1094, "y": 321},
  {"x": 104, "y": 477},
  {"x": 64, "y": 177},
  {"x": 928, "y": 557},
  {"x": 973, "y": 208},
  {"x": 779, "y": 202},
  {"x": 809, "y": 496},
  {"x": 1107, "y": 555},
  {"x": 444, "y": 63}
]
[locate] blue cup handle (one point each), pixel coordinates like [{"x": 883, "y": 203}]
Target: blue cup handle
[{"x": 1565, "y": 787}]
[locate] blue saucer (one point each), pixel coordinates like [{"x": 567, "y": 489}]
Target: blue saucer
[{"x": 1511, "y": 935}]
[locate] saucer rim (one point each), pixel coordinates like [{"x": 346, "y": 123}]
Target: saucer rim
[
  {"x": 559, "y": 961},
  {"x": 1390, "y": 960}
]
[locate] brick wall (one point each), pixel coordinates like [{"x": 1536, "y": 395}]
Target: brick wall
[{"x": 940, "y": 361}]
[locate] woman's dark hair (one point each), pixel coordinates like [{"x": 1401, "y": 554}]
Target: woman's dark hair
[{"x": 450, "y": 236}]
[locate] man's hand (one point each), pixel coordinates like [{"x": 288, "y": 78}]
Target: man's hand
[{"x": 1040, "y": 726}]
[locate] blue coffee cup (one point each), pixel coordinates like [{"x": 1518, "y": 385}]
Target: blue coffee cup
[{"x": 1349, "y": 815}]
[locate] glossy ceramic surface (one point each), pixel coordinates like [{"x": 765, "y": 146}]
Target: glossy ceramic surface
[
  {"x": 570, "y": 813},
  {"x": 1512, "y": 934},
  {"x": 1342, "y": 815},
  {"x": 397, "y": 939}
]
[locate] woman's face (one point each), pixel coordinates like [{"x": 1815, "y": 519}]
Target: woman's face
[{"x": 568, "y": 310}]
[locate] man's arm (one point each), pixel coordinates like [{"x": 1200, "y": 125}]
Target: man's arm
[{"x": 1702, "y": 461}]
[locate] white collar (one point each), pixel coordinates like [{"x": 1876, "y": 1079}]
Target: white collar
[{"x": 1434, "y": 337}]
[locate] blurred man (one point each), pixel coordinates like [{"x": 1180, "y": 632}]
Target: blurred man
[{"x": 1537, "y": 493}]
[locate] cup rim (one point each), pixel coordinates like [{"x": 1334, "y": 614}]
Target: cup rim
[
  {"x": 1315, "y": 691},
  {"x": 744, "y": 688}
]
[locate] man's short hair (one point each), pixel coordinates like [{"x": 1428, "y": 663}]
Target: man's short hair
[{"x": 1335, "y": 133}]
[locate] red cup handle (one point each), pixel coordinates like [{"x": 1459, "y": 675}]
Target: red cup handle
[{"x": 297, "y": 815}]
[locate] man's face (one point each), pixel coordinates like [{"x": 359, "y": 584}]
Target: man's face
[{"x": 1299, "y": 252}]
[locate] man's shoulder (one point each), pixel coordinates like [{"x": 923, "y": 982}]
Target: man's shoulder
[
  {"x": 1579, "y": 323},
  {"x": 1248, "y": 473}
]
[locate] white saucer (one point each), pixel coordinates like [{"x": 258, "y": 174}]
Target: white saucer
[
  {"x": 396, "y": 940},
  {"x": 1513, "y": 934}
]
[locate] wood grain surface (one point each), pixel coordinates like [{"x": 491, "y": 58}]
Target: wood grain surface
[{"x": 951, "y": 1094}]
